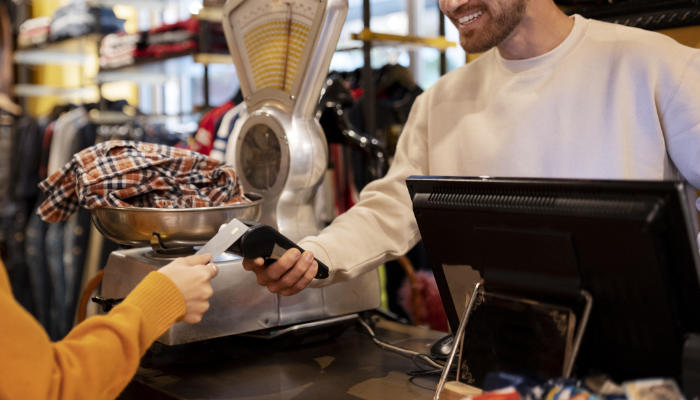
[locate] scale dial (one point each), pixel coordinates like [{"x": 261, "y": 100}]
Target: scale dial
[
  {"x": 261, "y": 157},
  {"x": 271, "y": 38}
]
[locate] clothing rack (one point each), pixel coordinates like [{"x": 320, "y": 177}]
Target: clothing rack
[{"x": 369, "y": 38}]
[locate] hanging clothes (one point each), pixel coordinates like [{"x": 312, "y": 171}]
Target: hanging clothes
[
  {"x": 226, "y": 127},
  {"x": 204, "y": 138},
  {"x": 14, "y": 203}
]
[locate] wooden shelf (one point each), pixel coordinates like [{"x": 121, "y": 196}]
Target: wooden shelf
[
  {"x": 379, "y": 39},
  {"x": 211, "y": 14},
  {"x": 211, "y": 58}
]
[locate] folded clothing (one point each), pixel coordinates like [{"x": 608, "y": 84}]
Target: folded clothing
[
  {"x": 170, "y": 37},
  {"x": 77, "y": 19},
  {"x": 135, "y": 174},
  {"x": 191, "y": 25},
  {"x": 163, "y": 50},
  {"x": 169, "y": 40},
  {"x": 33, "y": 31},
  {"x": 117, "y": 49}
]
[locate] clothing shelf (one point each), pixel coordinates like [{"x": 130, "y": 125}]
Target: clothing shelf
[
  {"x": 64, "y": 43},
  {"x": 143, "y": 4},
  {"x": 134, "y": 74},
  {"x": 78, "y": 50},
  {"x": 130, "y": 71},
  {"x": 146, "y": 61},
  {"x": 29, "y": 90}
]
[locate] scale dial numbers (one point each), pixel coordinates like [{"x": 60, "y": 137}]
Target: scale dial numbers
[{"x": 271, "y": 36}]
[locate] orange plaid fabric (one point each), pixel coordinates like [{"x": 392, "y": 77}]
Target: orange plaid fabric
[{"x": 135, "y": 174}]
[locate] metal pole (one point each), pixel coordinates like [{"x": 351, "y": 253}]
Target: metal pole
[
  {"x": 206, "y": 85},
  {"x": 443, "y": 56},
  {"x": 370, "y": 96},
  {"x": 416, "y": 11}
]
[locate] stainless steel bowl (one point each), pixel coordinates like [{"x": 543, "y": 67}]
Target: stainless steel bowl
[{"x": 179, "y": 227}]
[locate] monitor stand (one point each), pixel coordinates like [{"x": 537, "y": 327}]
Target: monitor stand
[
  {"x": 691, "y": 367},
  {"x": 478, "y": 288}
]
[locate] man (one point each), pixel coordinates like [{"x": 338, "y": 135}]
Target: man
[{"x": 551, "y": 97}]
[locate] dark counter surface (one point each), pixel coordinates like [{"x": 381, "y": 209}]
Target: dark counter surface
[{"x": 350, "y": 366}]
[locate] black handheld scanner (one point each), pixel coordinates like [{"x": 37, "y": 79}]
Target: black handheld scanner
[{"x": 263, "y": 241}]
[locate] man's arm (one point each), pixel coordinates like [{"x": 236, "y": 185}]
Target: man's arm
[
  {"x": 680, "y": 121},
  {"x": 379, "y": 228}
]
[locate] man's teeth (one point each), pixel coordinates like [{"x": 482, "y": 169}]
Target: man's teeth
[{"x": 470, "y": 18}]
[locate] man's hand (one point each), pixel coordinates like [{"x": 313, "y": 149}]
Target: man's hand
[
  {"x": 192, "y": 275},
  {"x": 287, "y": 276}
]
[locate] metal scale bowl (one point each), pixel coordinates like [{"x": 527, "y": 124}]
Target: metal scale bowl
[
  {"x": 282, "y": 51},
  {"x": 170, "y": 232}
]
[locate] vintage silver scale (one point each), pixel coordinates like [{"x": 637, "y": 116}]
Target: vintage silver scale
[{"x": 282, "y": 51}]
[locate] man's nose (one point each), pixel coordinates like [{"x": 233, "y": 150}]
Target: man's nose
[{"x": 452, "y": 5}]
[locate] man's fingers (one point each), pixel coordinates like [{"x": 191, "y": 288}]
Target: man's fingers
[
  {"x": 254, "y": 264},
  {"x": 309, "y": 275},
  {"x": 303, "y": 282},
  {"x": 284, "y": 264},
  {"x": 293, "y": 275}
]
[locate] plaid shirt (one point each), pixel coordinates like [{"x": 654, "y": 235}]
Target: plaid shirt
[{"x": 134, "y": 174}]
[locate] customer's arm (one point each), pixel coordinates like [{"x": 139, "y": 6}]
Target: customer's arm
[
  {"x": 379, "y": 228},
  {"x": 98, "y": 358}
]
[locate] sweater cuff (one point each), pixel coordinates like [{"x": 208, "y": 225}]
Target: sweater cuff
[
  {"x": 321, "y": 255},
  {"x": 160, "y": 301}
]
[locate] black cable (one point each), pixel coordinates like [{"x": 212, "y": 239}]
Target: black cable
[{"x": 399, "y": 350}]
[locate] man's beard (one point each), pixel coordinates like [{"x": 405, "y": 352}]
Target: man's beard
[{"x": 502, "y": 23}]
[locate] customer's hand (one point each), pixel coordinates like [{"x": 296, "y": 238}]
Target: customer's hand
[
  {"x": 192, "y": 275},
  {"x": 287, "y": 276}
]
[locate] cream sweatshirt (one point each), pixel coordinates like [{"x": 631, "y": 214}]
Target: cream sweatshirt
[{"x": 610, "y": 102}]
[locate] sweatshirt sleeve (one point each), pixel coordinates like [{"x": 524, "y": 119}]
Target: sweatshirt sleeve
[
  {"x": 381, "y": 226},
  {"x": 680, "y": 121},
  {"x": 97, "y": 359}
]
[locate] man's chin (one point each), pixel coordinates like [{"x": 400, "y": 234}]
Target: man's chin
[{"x": 472, "y": 46}]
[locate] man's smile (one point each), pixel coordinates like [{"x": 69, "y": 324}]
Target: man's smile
[{"x": 469, "y": 18}]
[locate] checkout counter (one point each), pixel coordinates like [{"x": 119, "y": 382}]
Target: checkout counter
[{"x": 351, "y": 366}]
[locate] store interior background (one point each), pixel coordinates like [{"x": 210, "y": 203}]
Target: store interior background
[
  {"x": 172, "y": 92},
  {"x": 179, "y": 86}
]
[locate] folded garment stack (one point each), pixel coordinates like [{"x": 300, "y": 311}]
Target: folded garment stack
[
  {"x": 135, "y": 174},
  {"x": 71, "y": 21},
  {"x": 77, "y": 19},
  {"x": 117, "y": 49},
  {"x": 33, "y": 32},
  {"x": 217, "y": 39},
  {"x": 169, "y": 40}
]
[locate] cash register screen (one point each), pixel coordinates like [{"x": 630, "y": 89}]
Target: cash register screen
[{"x": 628, "y": 244}]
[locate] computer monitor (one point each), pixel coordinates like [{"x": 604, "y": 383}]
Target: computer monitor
[{"x": 628, "y": 243}]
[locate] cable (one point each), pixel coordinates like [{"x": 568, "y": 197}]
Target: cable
[{"x": 399, "y": 350}]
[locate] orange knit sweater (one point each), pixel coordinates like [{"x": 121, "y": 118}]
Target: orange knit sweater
[{"x": 97, "y": 359}]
